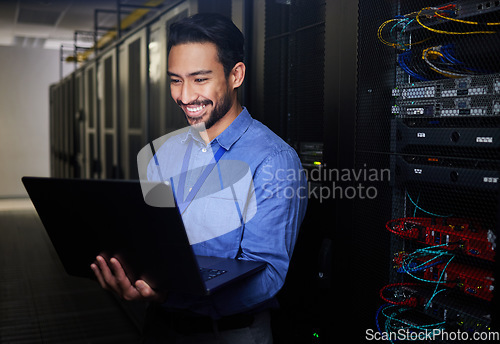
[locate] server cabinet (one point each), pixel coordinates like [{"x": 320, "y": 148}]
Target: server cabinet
[
  {"x": 108, "y": 120},
  {"x": 427, "y": 110},
  {"x": 52, "y": 107},
  {"x": 92, "y": 161},
  {"x": 165, "y": 114},
  {"x": 54, "y": 116},
  {"x": 79, "y": 125},
  {"x": 63, "y": 129},
  {"x": 133, "y": 101}
]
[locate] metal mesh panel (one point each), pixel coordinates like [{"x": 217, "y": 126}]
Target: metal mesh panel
[
  {"x": 294, "y": 69},
  {"x": 428, "y": 109}
]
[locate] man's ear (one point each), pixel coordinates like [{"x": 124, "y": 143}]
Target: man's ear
[{"x": 237, "y": 75}]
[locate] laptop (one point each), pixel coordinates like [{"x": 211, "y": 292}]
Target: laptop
[{"x": 85, "y": 218}]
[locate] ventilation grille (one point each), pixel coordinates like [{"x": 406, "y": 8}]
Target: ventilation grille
[{"x": 26, "y": 42}]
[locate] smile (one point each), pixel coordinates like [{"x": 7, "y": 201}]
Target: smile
[{"x": 194, "y": 109}]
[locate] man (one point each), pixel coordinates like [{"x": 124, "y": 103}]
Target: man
[{"x": 260, "y": 218}]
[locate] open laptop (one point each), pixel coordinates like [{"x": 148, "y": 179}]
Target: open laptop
[{"x": 85, "y": 218}]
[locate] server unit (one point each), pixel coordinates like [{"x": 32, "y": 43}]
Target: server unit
[{"x": 431, "y": 115}]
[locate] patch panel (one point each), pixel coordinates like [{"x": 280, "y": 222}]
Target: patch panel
[
  {"x": 470, "y": 280},
  {"x": 455, "y": 234},
  {"x": 464, "y": 312}
]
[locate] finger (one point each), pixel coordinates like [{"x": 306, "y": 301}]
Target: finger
[
  {"x": 127, "y": 290},
  {"x": 117, "y": 269},
  {"x": 144, "y": 289},
  {"x": 99, "y": 276},
  {"x": 107, "y": 275},
  {"x": 149, "y": 293},
  {"x": 119, "y": 274}
]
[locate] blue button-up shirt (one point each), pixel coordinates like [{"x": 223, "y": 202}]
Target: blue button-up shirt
[{"x": 249, "y": 207}]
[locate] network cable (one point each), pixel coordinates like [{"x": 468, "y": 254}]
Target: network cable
[
  {"x": 435, "y": 13},
  {"x": 425, "y": 211},
  {"x": 466, "y": 21},
  {"x": 395, "y": 321},
  {"x": 401, "y": 46},
  {"x": 434, "y": 53},
  {"x": 403, "y": 59}
]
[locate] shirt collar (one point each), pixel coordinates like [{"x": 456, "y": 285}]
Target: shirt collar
[
  {"x": 230, "y": 135},
  {"x": 237, "y": 128}
]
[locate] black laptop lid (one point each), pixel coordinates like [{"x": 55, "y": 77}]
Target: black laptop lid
[{"x": 84, "y": 218}]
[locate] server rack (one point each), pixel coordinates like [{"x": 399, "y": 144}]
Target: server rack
[
  {"x": 430, "y": 113},
  {"x": 133, "y": 101},
  {"x": 79, "y": 125},
  {"x": 92, "y": 162},
  {"x": 160, "y": 101},
  {"x": 108, "y": 117}
]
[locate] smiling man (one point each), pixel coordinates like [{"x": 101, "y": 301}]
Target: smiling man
[
  {"x": 243, "y": 213},
  {"x": 200, "y": 87}
]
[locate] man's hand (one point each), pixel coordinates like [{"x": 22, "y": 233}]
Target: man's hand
[{"x": 112, "y": 277}]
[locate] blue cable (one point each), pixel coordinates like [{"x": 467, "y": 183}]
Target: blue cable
[{"x": 425, "y": 211}]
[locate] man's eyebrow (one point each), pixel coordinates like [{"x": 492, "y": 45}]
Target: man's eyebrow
[{"x": 199, "y": 72}]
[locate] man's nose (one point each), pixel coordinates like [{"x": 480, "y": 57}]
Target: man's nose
[{"x": 188, "y": 94}]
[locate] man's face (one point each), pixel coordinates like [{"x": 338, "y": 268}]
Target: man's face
[{"x": 198, "y": 83}]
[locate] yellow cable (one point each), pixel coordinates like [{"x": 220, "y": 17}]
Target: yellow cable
[
  {"x": 431, "y": 52},
  {"x": 447, "y": 32},
  {"x": 379, "y": 34},
  {"x": 395, "y": 45}
]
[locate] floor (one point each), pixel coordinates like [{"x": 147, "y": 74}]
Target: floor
[{"x": 40, "y": 303}]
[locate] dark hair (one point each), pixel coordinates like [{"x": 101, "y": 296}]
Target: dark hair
[{"x": 210, "y": 28}]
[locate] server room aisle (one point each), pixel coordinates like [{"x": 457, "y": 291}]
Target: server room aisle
[{"x": 39, "y": 303}]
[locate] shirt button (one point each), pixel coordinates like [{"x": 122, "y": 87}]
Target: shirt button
[{"x": 204, "y": 150}]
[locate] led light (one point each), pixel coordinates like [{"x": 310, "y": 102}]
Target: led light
[{"x": 317, "y": 163}]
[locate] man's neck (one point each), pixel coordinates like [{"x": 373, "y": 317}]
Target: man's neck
[{"x": 223, "y": 123}]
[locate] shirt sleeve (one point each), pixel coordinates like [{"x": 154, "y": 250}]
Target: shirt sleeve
[{"x": 280, "y": 188}]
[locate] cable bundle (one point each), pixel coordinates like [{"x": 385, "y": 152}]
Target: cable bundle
[{"x": 441, "y": 60}]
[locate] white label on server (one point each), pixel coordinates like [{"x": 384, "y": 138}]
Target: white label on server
[{"x": 484, "y": 139}]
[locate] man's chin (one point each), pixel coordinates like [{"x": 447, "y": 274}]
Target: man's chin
[{"x": 195, "y": 119}]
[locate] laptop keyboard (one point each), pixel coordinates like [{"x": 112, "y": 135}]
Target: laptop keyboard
[{"x": 207, "y": 274}]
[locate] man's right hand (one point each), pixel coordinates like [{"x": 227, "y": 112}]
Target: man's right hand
[{"x": 112, "y": 277}]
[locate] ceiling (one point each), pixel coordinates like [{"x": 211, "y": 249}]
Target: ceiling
[{"x": 49, "y": 23}]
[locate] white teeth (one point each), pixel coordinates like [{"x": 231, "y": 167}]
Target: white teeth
[{"x": 198, "y": 108}]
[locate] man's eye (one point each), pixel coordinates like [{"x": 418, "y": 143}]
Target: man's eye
[
  {"x": 174, "y": 81},
  {"x": 200, "y": 80}
]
